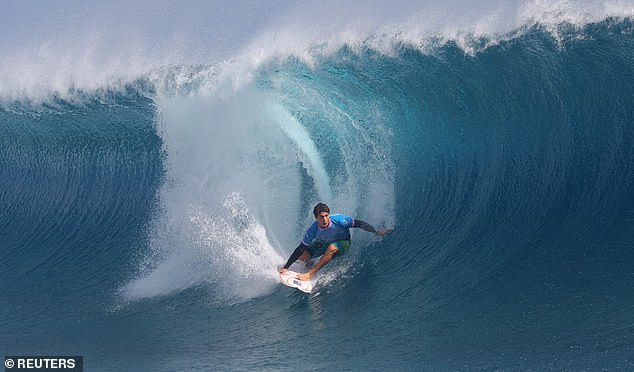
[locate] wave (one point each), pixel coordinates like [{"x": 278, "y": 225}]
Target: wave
[
  {"x": 256, "y": 146},
  {"x": 505, "y": 167},
  {"x": 296, "y": 134},
  {"x": 84, "y": 53}
]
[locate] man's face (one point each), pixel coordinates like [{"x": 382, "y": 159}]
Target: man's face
[{"x": 323, "y": 219}]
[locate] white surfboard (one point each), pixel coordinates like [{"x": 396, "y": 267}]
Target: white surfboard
[{"x": 290, "y": 279}]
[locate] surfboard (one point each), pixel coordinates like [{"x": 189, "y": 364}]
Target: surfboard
[{"x": 289, "y": 278}]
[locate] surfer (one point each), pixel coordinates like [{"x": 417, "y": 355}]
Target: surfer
[{"x": 328, "y": 237}]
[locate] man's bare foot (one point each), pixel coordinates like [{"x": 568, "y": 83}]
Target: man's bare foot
[
  {"x": 282, "y": 270},
  {"x": 304, "y": 276}
]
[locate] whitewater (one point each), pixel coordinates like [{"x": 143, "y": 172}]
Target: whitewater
[{"x": 158, "y": 163}]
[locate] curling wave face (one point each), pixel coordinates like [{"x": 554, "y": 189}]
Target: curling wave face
[{"x": 137, "y": 208}]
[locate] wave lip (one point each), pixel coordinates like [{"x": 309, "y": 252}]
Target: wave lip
[{"x": 88, "y": 53}]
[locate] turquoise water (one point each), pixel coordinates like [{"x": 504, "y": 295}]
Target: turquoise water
[{"x": 141, "y": 227}]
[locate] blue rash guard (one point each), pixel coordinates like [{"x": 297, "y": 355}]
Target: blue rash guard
[{"x": 339, "y": 229}]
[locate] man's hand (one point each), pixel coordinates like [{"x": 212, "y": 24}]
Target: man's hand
[
  {"x": 282, "y": 270},
  {"x": 385, "y": 231}
]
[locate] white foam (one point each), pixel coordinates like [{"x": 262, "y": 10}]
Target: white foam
[
  {"x": 228, "y": 249},
  {"x": 324, "y": 27},
  {"x": 233, "y": 182},
  {"x": 298, "y": 134},
  {"x": 51, "y": 50}
]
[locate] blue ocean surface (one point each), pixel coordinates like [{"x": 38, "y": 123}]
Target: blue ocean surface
[{"x": 141, "y": 225}]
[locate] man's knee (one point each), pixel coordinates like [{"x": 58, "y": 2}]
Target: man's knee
[{"x": 332, "y": 250}]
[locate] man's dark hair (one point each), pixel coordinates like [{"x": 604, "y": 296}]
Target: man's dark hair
[{"x": 321, "y": 207}]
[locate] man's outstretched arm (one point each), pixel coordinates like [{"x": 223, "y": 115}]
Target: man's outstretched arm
[{"x": 367, "y": 227}]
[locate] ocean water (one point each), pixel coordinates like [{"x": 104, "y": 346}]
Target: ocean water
[{"x": 142, "y": 218}]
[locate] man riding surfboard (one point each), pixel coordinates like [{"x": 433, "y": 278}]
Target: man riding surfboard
[{"x": 328, "y": 237}]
